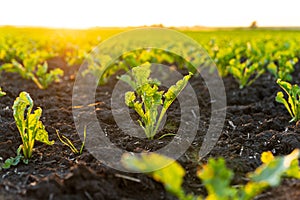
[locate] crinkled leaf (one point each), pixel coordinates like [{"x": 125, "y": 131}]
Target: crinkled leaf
[
  {"x": 36, "y": 129},
  {"x": 138, "y": 107},
  {"x": 141, "y": 74},
  {"x": 129, "y": 98},
  {"x": 42, "y": 134},
  {"x": 33, "y": 124},
  {"x": 148, "y": 90},
  {"x": 151, "y": 98},
  {"x": 22, "y": 103},
  {"x": 175, "y": 90},
  {"x": 28, "y": 124}
]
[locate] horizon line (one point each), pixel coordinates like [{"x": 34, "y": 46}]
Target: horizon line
[{"x": 153, "y": 25}]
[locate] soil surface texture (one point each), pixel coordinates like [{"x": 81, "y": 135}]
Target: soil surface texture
[{"x": 254, "y": 123}]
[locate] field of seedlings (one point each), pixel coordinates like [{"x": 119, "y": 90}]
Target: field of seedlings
[{"x": 45, "y": 153}]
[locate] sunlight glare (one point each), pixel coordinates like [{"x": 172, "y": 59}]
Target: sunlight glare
[{"x": 89, "y": 13}]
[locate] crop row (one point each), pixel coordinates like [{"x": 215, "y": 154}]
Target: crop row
[
  {"x": 245, "y": 57},
  {"x": 215, "y": 176}
]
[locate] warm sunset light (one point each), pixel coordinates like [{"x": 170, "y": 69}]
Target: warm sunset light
[
  {"x": 149, "y": 99},
  {"x": 89, "y": 13}
]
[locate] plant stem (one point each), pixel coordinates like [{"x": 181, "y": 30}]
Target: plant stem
[{"x": 162, "y": 113}]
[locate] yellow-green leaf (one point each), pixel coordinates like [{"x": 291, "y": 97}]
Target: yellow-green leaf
[{"x": 161, "y": 168}]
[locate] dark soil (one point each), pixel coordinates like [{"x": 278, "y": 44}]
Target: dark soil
[{"x": 254, "y": 123}]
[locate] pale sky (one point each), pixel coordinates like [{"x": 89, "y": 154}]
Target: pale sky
[{"x": 90, "y": 13}]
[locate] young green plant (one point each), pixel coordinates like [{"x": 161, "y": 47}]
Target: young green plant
[
  {"x": 215, "y": 176},
  {"x": 45, "y": 77},
  {"x": 147, "y": 98},
  {"x": 284, "y": 65},
  {"x": 29, "y": 125},
  {"x": 292, "y": 104},
  {"x": 70, "y": 144},
  {"x": 14, "y": 161},
  {"x": 30, "y": 69},
  {"x": 245, "y": 73}
]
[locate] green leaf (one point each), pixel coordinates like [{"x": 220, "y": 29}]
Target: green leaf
[
  {"x": 280, "y": 99},
  {"x": 13, "y": 161},
  {"x": 141, "y": 74},
  {"x": 7, "y": 164},
  {"x": 42, "y": 134},
  {"x": 45, "y": 78},
  {"x": 127, "y": 79},
  {"x": 131, "y": 59},
  {"x": 244, "y": 72},
  {"x": 286, "y": 86},
  {"x": 175, "y": 90},
  {"x": 235, "y": 71},
  {"x": 151, "y": 98},
  {"x": 138, "y": 107},
  {"x": 273, "y": 69},
  {"x": 216, "y": 178},
  {"x": 271, "y": 172},
  {"x": 22, "y": 103},
  {"x": 28, "y": 124},
  {"x": 293, "y": 102},
  {"x": 19, "y": 68},
  {"x": 252, "y": 189},
  {"x": 129, "y": 98},
  {"x": 42, "y": 69},
  {"x": 8, "y": 67},
  {"x": 33, "y": 122},
  {"x": 293, "y": 171},
  {"x": 161, "y": 168},
  {"x": 148, "y": 90}
]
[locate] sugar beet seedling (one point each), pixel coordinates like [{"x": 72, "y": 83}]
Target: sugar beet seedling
[
  {"x": 147, "y": 98},
  {"x": 292, "y": 104},
  {"x": 215, "y": 176},
  {"x": 29, "y": 125}
]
